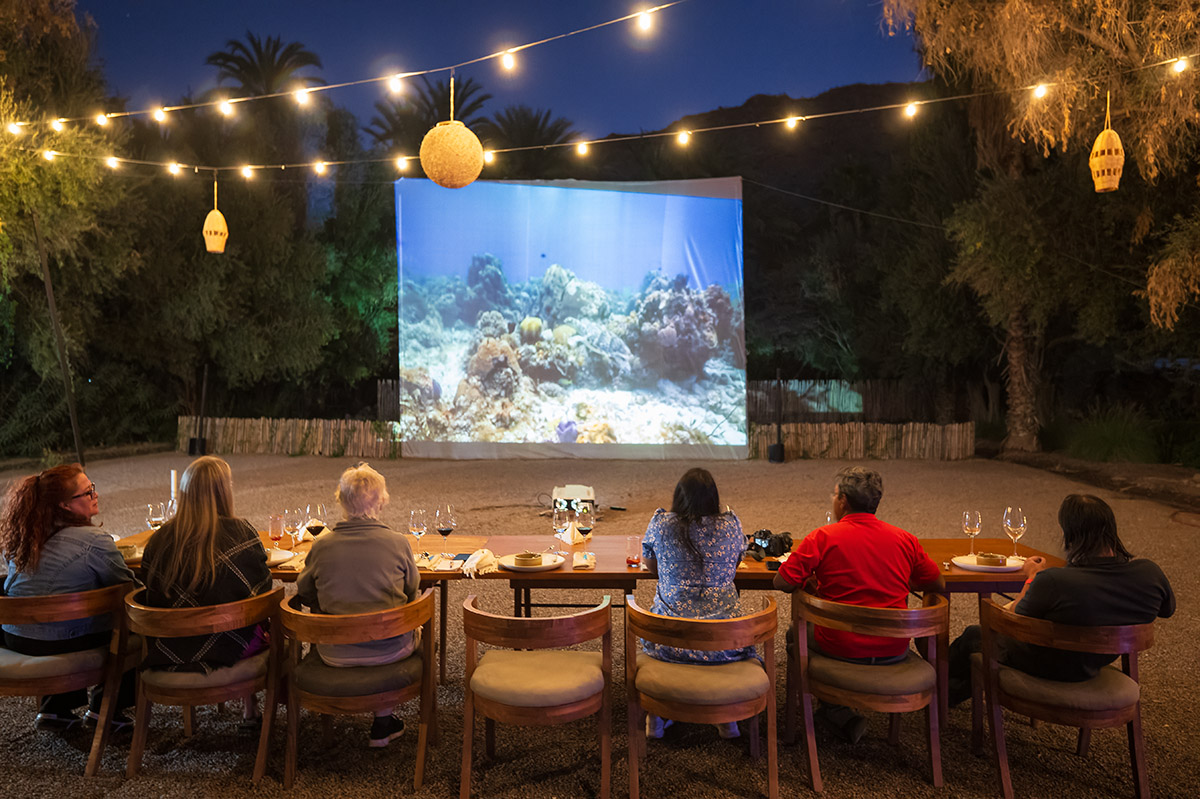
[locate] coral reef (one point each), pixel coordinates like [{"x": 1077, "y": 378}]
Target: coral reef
[
  {"x": 563, "y": 295},
  {"x": 531, "y": 329},
  {"x": 676, "y": 333}
]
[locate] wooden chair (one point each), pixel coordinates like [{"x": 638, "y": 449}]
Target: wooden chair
[
  {"x": 699, "y": 693},
  {"x": 894, "y": 689},
  {"x": 29, "y": 675},
  {"x": 188, "y": 689},
  {"x": 1110, "y": 699},
  {"x": 310, "y": 683},
  {"x": 536, "y": 687}
]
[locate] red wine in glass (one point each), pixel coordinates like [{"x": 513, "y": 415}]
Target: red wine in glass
[{"x": 444, "y": 523}]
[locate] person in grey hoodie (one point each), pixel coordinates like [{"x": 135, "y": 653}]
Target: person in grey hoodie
[{"x": 362, "y": 565}]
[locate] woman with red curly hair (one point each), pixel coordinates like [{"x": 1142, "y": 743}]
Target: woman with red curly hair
[{"x": 47, "y": 537}]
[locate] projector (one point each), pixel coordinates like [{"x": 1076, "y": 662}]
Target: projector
[{"x": 572, "y": 496}]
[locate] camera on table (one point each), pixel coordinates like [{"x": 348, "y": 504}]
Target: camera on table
[{"x": 765, "y": 544}]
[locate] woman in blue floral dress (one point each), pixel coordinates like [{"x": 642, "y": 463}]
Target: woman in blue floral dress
[{"x": 696, "y": 550}]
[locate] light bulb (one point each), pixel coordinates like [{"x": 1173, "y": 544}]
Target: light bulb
[
  {"x": 247, "y": 172},
  {"x": 1180, "y": 65},
  {"x": 643, "y": 20},
  {"x": 1039, "y": 91},
  {"x": 101, "y": 119},
  {"x": 57, "y": 125},
  {"x": 508, "y": 60},
  {"x": 160, "y": 115},
  {"x": 581, "y": 148},
  {"x": 684, "y": 137},
  {"x": 112, "y": 162},
  {"x": 225, "y": 107},
  {"x": 910, "y": 110},
  {"x": 402, "y": 163},
  {"x": 488, "y": 156},
  {"x": 319, "y": 167},
  {"x": 174, "y": 169},
  {"x": 48, "y": 154},
  {"x": 395, "y": 84},
  {"x": 14, "y": 128},
  {"x": 301, "y": 96},
  {"x": 793, "y": 122}
]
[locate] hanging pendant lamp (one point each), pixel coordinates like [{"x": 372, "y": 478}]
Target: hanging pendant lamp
[{"x": 215, "y": 229}]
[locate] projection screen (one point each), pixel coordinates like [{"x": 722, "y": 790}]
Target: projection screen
[{"x": 571, "y": 319}]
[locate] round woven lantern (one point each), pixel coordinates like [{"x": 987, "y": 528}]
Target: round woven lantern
[
  {"x": 451, "y": 155},
  {"x": 215, "y": 231},
  {"x": 1107, "y": 160}
]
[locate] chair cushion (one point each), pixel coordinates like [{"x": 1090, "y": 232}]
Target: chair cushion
[
  {"x": 315, "y": 676},
  {"x": 909, "y": 676},
  {"x": 248, "y": 669},
  {"x": 15, "y": 666},
  {"x": 701, "y": 684},
  {"x": 1111, "y": 689},
  {"x": 538, "y": 678}
]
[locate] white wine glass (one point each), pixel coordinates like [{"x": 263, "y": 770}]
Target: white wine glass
[
  {"x": 972, "y": 524},
  {"x": 292, "y": 525},
  {"x": 155, "y": 515},
  {"x": 417, "y": 526},
  {"x": 445, "y": 522},
  {"x": 561, "y": 522},
  {"x": 1014, "y": 525}
]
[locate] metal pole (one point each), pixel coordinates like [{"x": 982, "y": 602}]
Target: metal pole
[{"x": 58, "y": 338}]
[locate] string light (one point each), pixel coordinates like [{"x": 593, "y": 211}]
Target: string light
[
  {"x": 488, "y": 156},
  {"x": 793, "y": 122},
  {"x": 48, "y": 154},
  {"x": 57, "y": 125},
  {"x": 643, "y": 20},
  {"x": 684, "y": 137},
  {"x": 247, "y": 172},
  {"x": 1039, "y": 91},
  {"x": 174, "y": 168},
  {"x": 225, "y": 107},
  {"x": 581, "y": 148},
  {"x": 160, "y": 115},
  {"x": 319, "y": 167},
  {"x": 910, "y": 110},
  {"x": 14, "y": 128},
  {"x": 101, "y": 119},
  {"x": 508, "y": 60},
  {"x": 301, "y": 96},
  {"x": 402, "y": 164},
  {"x": 112, "y": 161},
  {"x": 1180, "y": 64},
  {"x": 396, "y": 83}
]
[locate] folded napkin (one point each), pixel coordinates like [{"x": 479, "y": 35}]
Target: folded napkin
[
  {"x": 295, "y": 564},
  {"x": 572, "y": 535},
  {"x": 428, "y": 562},
  {"x": 584, "y": 560},
  {"x": 481, "y": 561},
  {"x": 448, "y": 565}
]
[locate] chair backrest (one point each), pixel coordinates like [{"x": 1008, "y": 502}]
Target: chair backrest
[
  {"x": 1112, "y": 640},
  {"x": 63, "y": 607},
  {"x": 539, "y": 632},
  {"x": 921, "y": 622},
  {"x": 703, "y": 634},
  {"x": 355, "y": 628},
  {"x": 180, "y": 622}
]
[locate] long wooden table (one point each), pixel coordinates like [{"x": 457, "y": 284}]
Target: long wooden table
[{"x": 612, "y": 572}]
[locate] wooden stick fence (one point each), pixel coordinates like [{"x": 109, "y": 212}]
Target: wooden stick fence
[
  {"x": 870, "y": 441},
  {"x": 331, "y": 437}
]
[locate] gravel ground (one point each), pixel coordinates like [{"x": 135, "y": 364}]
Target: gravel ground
[{"x": 505, "y": 497}]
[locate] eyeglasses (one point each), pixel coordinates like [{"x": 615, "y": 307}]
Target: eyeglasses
[{"x": 91, "y": 492}]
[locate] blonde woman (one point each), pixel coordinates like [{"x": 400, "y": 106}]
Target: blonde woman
[
  {"x": 205, "y": 556},
  {"x": 359, "y": 566}
]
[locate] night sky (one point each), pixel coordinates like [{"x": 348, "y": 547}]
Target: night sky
[{"x": 699, "y": 55}]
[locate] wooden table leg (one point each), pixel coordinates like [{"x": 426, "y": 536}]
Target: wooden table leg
[{"x": 443, "y": 601}]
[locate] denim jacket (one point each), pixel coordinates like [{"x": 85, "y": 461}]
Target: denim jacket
[{"x": 73, "y": 559}]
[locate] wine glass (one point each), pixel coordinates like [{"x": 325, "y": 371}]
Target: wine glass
[
  {"x": 275, "y": 528},
  {"x": 561, "y": 522},
  {"x": 417, "y": 526},
  {"x": 971, "y": 526},
  {"x": 155, "y": 515},
  {"x": 291, "y": 524},
  {"x": 584, "y": 518},
  {"x": 444, "y": 521},
  {"x": 316, "y": 518},
  {"x": 169, "y": 510},
  {"x": 1014, "y": 525}
]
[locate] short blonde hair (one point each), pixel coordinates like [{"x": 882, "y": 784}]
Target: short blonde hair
[{"x": 362, "y": 492}]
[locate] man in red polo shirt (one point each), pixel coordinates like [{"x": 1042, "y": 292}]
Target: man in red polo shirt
[{"x": 859, "y": 560}]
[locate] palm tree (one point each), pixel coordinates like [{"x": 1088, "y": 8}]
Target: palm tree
[
  {"x": 400, "y": 125},
  {"x": 260, "y": 67},
  {"x": 522, "y": 126}
]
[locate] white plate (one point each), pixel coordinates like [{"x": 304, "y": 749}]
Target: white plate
[
  {"x": 968, "y": 562},
  {"x": 548, "y": 562},
  {"x": 276, "y": 557}
]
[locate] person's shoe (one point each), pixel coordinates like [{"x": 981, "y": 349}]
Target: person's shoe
[
  {"x": 656, "y": 725},
  {"x": 56, "y": 721},
  {"x": 851, "y": 725},
  {"x": 120, "y": 721},
  {"x": 728, "y": 730},
  {"x": 384, "y": 730}
]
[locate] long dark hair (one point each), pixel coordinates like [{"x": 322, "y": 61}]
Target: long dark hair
[
  {"x": 695, "y": 497},
  {"x": 33, "y": 512},
  {"x": 1089, "y": 529}
]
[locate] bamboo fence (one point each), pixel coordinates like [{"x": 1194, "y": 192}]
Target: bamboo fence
[
  {"x": 867, "y": 440},
  {"x": 331, "y": 437}
]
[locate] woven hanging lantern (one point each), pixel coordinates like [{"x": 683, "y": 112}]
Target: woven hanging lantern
[
  {"x": 451, "y": 155},
  {"x": 215, "y": 229},
  {"x": 1108, "y": 158}
]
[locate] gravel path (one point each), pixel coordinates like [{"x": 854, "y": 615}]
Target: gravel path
[{"x": 505, "y": 497}]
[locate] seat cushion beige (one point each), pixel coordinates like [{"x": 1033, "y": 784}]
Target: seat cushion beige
[
  {"x": 910, "y": 676},
  {"x": 539, "y": 678},
  {"x": 315, "y": 676},
  {"x": 248, "y": 669},
  {"x": 1111, "y": 689},
  {"x": 701, "y": 684},
  {"x": 15, "y": 666}
]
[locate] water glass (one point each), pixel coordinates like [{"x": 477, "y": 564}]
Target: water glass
[
  {"x": 633, "y": 550},
  {"x": 971, "y": 526}
]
